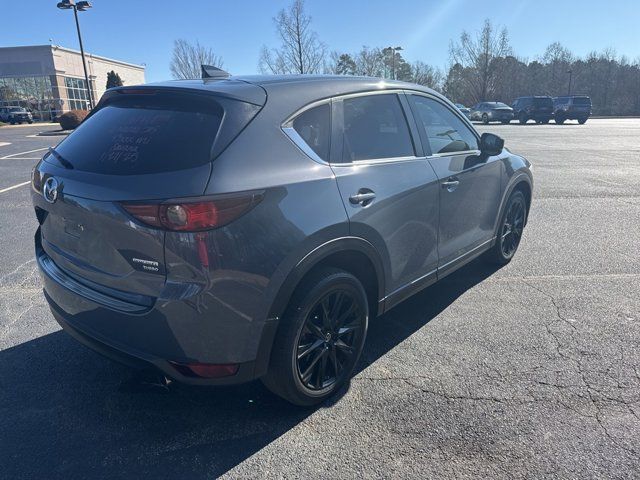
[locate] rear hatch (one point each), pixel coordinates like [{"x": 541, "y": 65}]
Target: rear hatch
[
  {"x": 138, "y": 144},
  {"x": 581, "y": 104}
]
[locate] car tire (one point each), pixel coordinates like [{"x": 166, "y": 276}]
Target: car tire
[
  {"x": 544, "y": 121},
  {"x": 30, "y": 122},
  {"x": 582, "y": 121},
  {"x": 506, "y": 122},
  {"x": 560, "y": 120},
  {"x": 510, "y": 229},
  {"x": 485, "y": 119},
  {"x": 319, "y": 339},
  {"x": 522, "y": 118}
]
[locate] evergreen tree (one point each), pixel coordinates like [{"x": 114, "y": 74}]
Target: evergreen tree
[{"x": 113, "y": 80}]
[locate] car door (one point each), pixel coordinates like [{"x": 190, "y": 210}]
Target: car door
[
  {"x": 470, "y": 183},
  {"x": 389, "y": 189}
]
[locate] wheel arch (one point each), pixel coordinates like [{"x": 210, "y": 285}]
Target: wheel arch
[
  {"x": 523, "y": 183},
  {"x": 352, "y": 254}
]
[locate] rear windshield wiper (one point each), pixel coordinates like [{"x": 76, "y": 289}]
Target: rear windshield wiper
[{"x": 63, "y": 161}]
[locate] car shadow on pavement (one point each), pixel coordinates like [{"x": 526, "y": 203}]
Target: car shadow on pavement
[{"x": 63, "y": 413}]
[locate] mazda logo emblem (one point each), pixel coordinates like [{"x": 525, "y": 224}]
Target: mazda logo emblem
[{"x": 50, "y": 190}]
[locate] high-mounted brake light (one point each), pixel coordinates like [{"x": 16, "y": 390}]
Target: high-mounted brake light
[{"x": 194, "y": 216}]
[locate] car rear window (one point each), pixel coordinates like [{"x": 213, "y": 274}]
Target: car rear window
[
  {"x": 374, "y": 128},
  {"x": 543, "y": 102},
  {"x": 581, "y": 101},
  {"x": 145, "y": 134}
]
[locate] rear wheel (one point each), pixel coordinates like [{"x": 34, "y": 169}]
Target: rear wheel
[
  {"x": 560, "y": 119},
  {"x": 319, "y": 339},
  {"x": 582, "y": 120},
  {"x": 506, "y": 122},
  {"x": 485, "y": 118},
  {"x": 522, "y": 118},
  {"x": 510, "y": 231}
]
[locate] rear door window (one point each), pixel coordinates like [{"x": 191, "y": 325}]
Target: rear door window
[
  {"x": 145, "y": 134},
  {"x": 314, "y": 126},
  {"x": 374, "y": 128},
  {"x": 444, "y": 131},
  {"x": 543, "y": 102},
  {"x": 582, "y": 101}
]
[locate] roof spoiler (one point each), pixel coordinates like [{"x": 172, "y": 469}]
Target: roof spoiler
[{"x": 209, "y": 71}]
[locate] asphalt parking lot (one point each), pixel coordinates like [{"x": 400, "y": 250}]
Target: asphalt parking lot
[{"x": 530, "y": 371}]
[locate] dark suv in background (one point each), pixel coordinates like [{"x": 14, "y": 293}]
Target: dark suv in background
[
  {"x": 572, "y": 107},
  {"x": 225, "y": 230},
  {"x": 538, "y": 108}
]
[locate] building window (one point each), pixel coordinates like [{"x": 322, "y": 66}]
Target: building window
[
  {"x": 32, "y": 93},
  {"x": 76, "y": 93}
]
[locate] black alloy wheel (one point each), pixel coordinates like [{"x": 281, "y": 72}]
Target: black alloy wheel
[
  {"x": 512, "y": 227},
  {"x": 329, "y": 340},
  {"x": 510, "y": 230},
  {"x": 320, "y": 338}
]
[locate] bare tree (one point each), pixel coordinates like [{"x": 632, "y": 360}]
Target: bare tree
[
  {"x": 426, "y": 75},
  {"x": 370, "y": 62},
  {"x": 478, "y": 54},
  {"x": 300, "y": 51},
  {"x": 187, "y": 59}
]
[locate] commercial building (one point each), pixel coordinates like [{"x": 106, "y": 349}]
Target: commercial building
[{"x": 49, "y": 79}]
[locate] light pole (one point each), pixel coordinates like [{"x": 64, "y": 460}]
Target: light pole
[
  {"x": 82, "y": 6},
  {"x": 570, "y": 72},
  {"x": 392, "y": 51}
]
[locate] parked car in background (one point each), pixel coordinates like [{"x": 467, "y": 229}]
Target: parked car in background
[
  {"x": 538, "y": 108},
  {"x": 15, "y": 115},
  {"x": 465, "y": 110},
  {"x": 486, "y": 112},
  {"x": 572, "y": 107},
  {"x": 222, "y": 231}
]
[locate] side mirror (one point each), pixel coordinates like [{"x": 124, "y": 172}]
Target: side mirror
[{"x": 491, "y": 144}]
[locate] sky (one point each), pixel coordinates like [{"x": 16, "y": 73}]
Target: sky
[{"x": 143, "y": 31}]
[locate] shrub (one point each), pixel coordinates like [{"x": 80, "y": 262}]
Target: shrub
[{"x": 71, "y": 119}]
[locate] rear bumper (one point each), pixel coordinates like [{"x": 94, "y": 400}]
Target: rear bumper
[{"x": 149, "y": 338}]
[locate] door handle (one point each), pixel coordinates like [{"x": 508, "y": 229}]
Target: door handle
[
  {"x": 451, "y": 184},
  {"x": 364, "y": 197}
]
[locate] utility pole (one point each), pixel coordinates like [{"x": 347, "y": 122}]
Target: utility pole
[
  {"x": 392, "y": 51},
  {"x": 82, "y": 6}
]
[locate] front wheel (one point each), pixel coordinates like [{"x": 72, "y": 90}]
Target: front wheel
[
  {"x": 559, "y": 119},
  {"x": 319, "y": 339},
  {"x": 510, "y": 231},
  {"x": 522, "y": 118},
  {"x": 582, "y": 121}
]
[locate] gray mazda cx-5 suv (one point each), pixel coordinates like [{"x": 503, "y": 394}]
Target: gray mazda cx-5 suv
[{"x": 223, "y": 230}]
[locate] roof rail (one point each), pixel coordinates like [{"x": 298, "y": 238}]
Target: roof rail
[{"x": 209, "y": 71}]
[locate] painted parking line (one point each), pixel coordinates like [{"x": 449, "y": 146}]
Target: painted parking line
[
  {"x": 23, "y": 153},
  {"x": 3, "y": 144},
  {"x": 14, "y": 186}
]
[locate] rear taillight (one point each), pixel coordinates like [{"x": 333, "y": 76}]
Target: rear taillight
[{"x": 194, "y": 215}]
